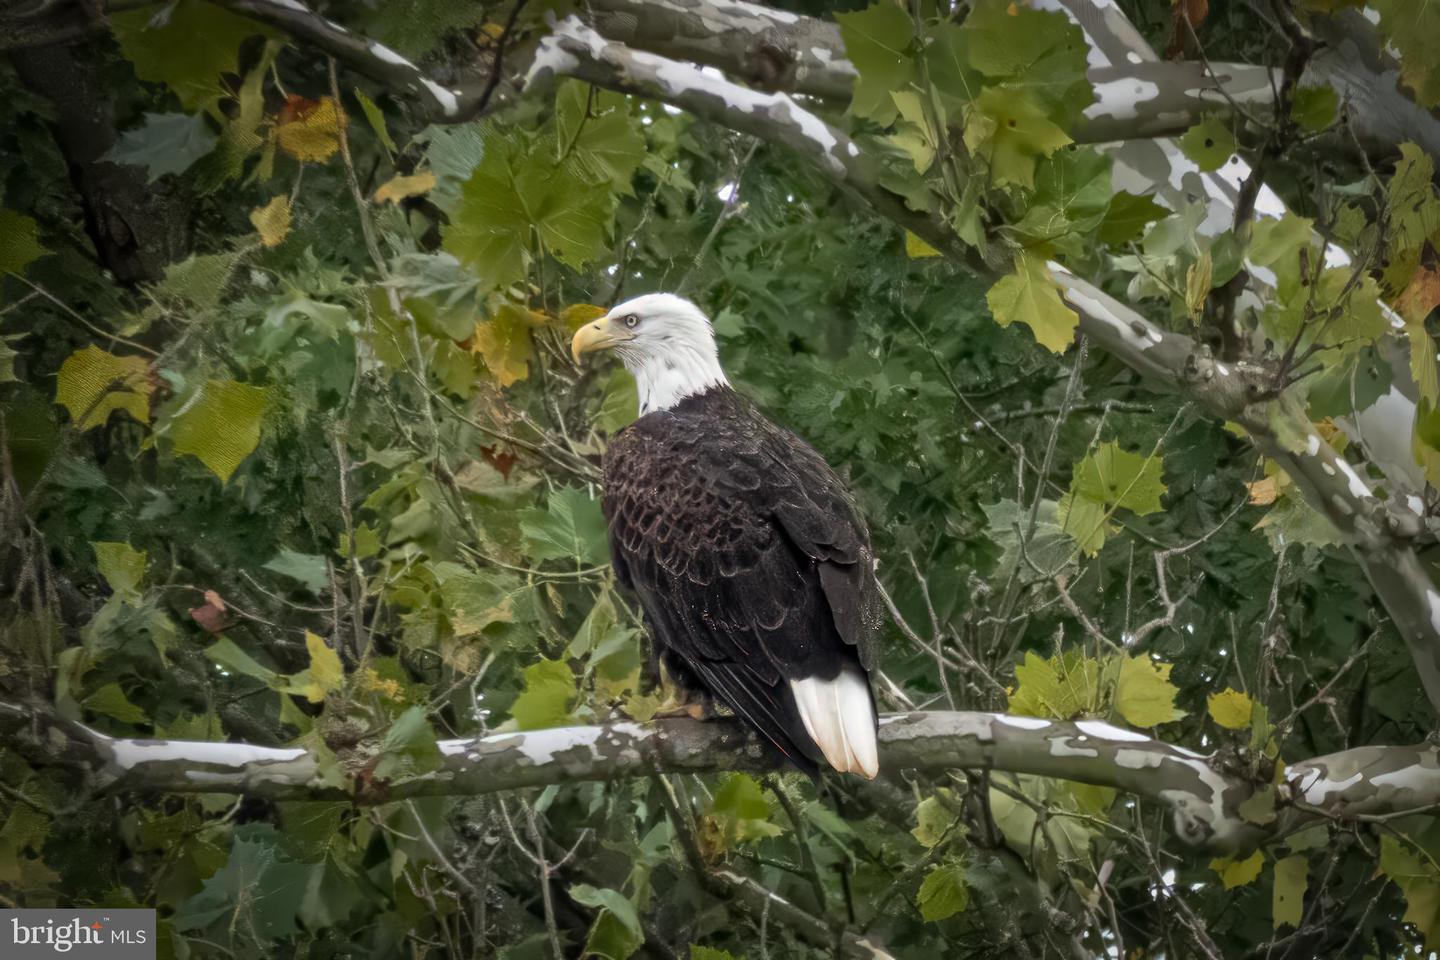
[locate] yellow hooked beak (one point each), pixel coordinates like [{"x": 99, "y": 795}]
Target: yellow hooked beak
[{"x": 599, "y": 335}]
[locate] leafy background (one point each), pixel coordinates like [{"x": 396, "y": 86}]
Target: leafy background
[{"x": 326, "y": 475}]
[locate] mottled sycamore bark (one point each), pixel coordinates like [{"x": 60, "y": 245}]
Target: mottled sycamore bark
[{"x": 1204, "y": 793}]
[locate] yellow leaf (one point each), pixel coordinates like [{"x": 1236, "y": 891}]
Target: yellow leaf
[
  {"x": 326, "y": 670},
  {"x": 915, "y": 247},
  {"x": 272, "y": 221},
  {"x": 1030, "y": 296},
  {"x": 503, "y": 342},
  {"x": 577, "y": 315},
  {"x": 1230, "y": 708},
  {"x": 1288, "y": 897},
  {"x": 399, "y": 188},
  {"x": 1197, "y": 285},
  {"x": 1238, "y": 873},
  {"x": 93, "y": 384},
  {"x": 220, "y": 424},
  {"x": 371, "y": 681},
  {"x": 314, "y": 136},
  {"x": 1144, "y": 695}
]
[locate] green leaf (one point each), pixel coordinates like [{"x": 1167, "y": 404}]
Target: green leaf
[
  {"x": 376, "y": 118},
  {"x": 1417, "y": 878},
  {"x": 570, "y": 528},
  {"x": 111, "y": 701},
  {"x": 1238, "y": 873},
  {"x": 489, "y": 227},
  {"x": 595, "y": 127},
  {"x": 1294, "y": 520},
  {"x": 1230, "y": 709},
  {"x": 19, "y": 242},
  {"x": 1085, "y": 521},
  {"x": 549, "y": 693},
  {"x": 198, "y": 280},
  {"x": 1118, "y": 478},
  {"x": 412, "y": 28},
  {"x": 1209, "y": 143},
  {"x": 943, "y": 893},
  {"x": 741, "y": 797},
  {"x": 1012, "y": 131},
  {"x": 1059, "y": 687},
  {"x": 307, "y": 569},
  {"x": 164, "y": 143},
  {"x": 877, "y": 42},
  {"x": 933, "y": 821},
  {"x": 476, "y": 599},
  {"x": 1275, "y": 241},
  {"x": 257, "y": 890},
  {"x": 185, "y": 45},
  {"x": 409, "y": 747},
  {"x": 698, "y": 952},
  {"x": 1029, "y": 296},
  {"x": 1072, "y": 195},
  {"x": 1040, "y": 54},
  {"x": 229, "y": 656},
  {"x": 1049, "y": 547},
  {"x": 1291, "y": 877},
  {"x": 122, "y": 566},
  {"x": 1413, "y": 29},
  {"x": 93, "y": 384},
  {"x": 518, "y": 188},
  {"x": 220, "y": 424},
  {"x": 1144, "y": 695},
  {"x": 740, "y": 807},
  {"x": 620, "y": 403},
  {"x": 611, "y": 900},
  {"x": 1127, "y": 218},
  {"x": 453, "y": 152},
  {"x": 1315, "y": 108},
  {"x": 1259, "y": 807}
]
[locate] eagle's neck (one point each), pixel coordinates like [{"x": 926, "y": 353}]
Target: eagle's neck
[{"x": 683, "y": 371}]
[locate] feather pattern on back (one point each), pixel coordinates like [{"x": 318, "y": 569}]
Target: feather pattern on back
[{"x": 753, "y": 568}]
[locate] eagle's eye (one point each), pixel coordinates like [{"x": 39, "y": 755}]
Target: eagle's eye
[{"x": 631, "y": 320}]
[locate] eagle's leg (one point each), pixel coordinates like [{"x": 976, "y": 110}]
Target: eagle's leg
[{"x": 688, "y": 698}]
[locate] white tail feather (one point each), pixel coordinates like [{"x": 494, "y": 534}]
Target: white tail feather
[{"x": 840, "y": 718}]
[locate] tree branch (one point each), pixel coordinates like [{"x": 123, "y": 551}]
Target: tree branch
[
  {"x": 1201, "y": 792},
  {"x": 453, "y": 102}
]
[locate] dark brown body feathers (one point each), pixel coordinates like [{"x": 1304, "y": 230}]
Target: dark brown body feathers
[{"x": 747, "y": 555}]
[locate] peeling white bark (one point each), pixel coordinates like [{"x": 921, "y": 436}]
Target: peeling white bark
[{"x": 1203, "y": 795}]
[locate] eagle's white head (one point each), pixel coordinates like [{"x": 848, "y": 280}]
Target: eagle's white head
[{"x": 665, "y": 341}]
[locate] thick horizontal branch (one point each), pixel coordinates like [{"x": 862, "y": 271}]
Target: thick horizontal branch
[
  {"x": 1203, "y": 796},
  {"x": 447, "y": 103},
  {"x": 772, "y": 49}
]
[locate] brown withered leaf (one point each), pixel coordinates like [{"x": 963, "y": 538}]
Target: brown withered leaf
[
  {"x": 211, "y": 616},
  {"x": 1185, "y": 18},
  {"x": 1264, "y": 491}
]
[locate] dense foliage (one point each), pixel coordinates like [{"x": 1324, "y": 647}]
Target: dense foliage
[{"x": 299, "y": 455}]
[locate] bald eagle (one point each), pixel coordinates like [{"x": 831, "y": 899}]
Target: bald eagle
[{"x": 748, "y": 556}]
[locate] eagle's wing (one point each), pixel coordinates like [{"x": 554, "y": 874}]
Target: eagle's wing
[{"x": 754, "y": 569}]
